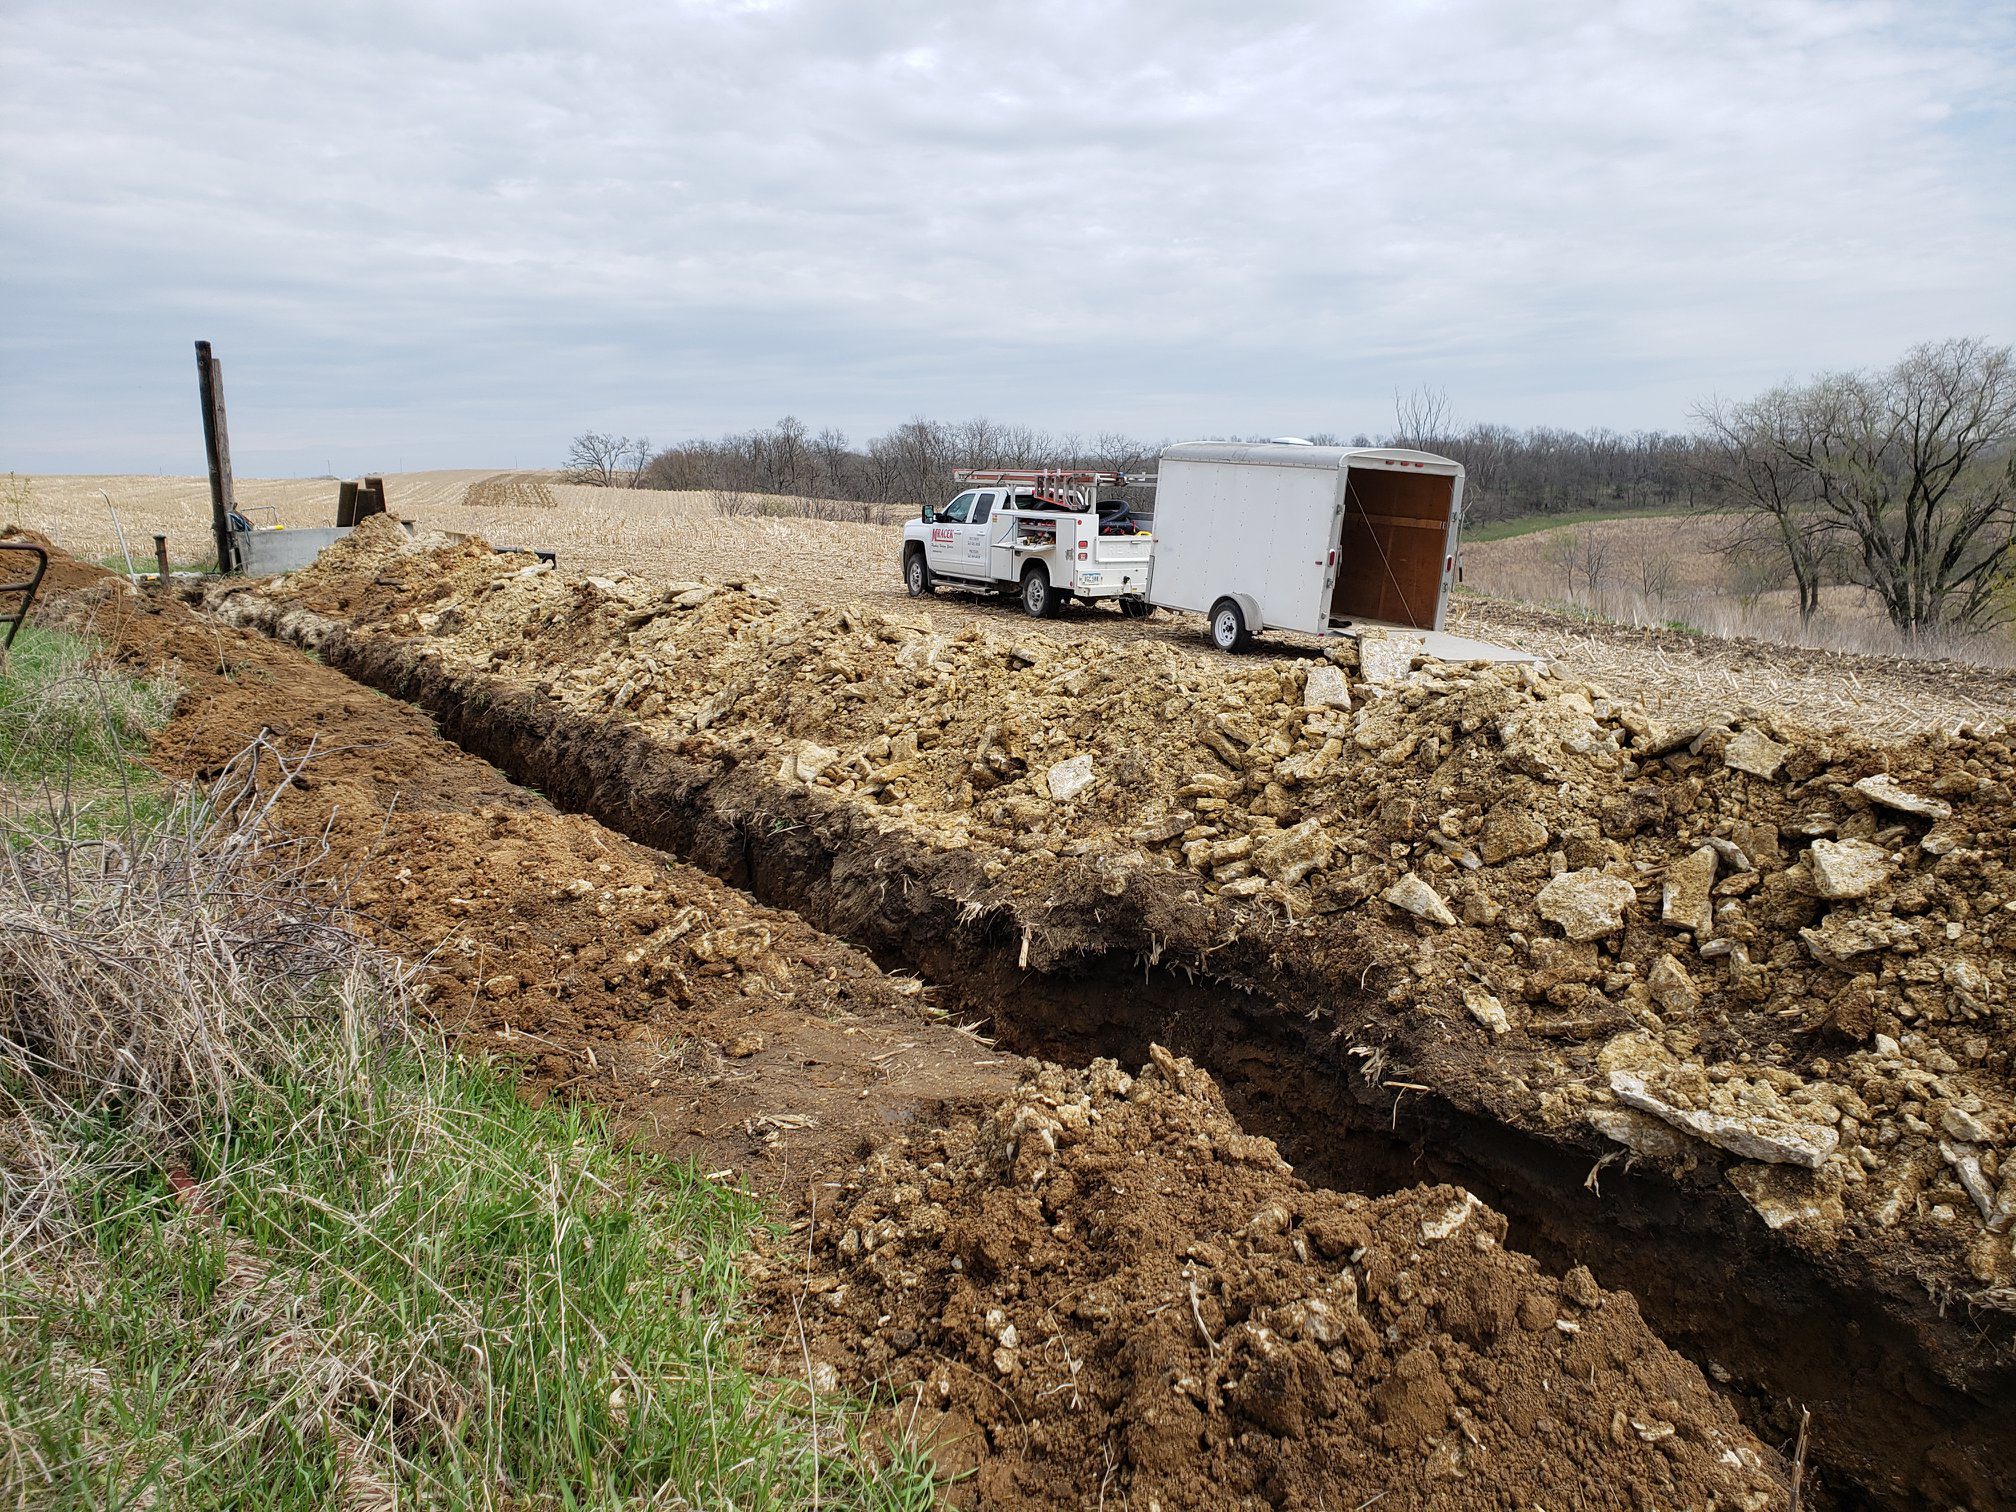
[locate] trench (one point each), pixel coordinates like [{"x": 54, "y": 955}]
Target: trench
[{"x": 1911, "y": 1404}]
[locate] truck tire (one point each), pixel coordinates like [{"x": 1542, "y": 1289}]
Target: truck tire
[
  {"x": 1135, "y": 608},
  {"x": 1228, "y": 627},
  {"x": 916, "y": 574},
  {"x": 1039, "y": 599}
]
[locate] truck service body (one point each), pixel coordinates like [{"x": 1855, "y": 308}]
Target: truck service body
[{"x": 1037, "y": 533}]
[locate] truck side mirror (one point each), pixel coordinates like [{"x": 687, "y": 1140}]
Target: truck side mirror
[{"x": 930, "y": 514}]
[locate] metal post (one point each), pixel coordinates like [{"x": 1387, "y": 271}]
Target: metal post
[
  {"x": 217, "y": 444},
  {"x": 161, "y": 559}
]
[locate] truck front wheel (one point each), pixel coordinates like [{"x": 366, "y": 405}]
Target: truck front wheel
[
  {"x": 1039, "y": 599},
  {"x": 1228, "y": 626},
  {"x": 916, "y": 575}
]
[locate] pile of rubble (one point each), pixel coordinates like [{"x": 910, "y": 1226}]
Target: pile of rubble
[
  {"x": 1788, "y": 945},
  {"x": 1105, "y": 1290}
]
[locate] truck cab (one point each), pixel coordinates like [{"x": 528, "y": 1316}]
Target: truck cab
[{"x": 1041, "y": 534}]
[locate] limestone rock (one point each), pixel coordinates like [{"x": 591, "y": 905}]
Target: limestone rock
[
  {"x": 811, "y": 760},
  {"x": 1387, "y": 658},
  {"x": 1780, "y": 1141},
  {"x": 1686, "y": 902},
  {"x": 1418, "y": 898},
  {"x": 1672, "y": 988},
  {"x": 1586, "y": 904},
  {"x": 1640, "y": 1133},
  {"x": 1883, "y": 789},
  {"x": 1511, "y": 829},
  {"x": 1848, "y": 868},
  {"x": 1841, "y": 936},
  {"x": 1485, "y": 1008},
  {"x": 1070, "y": 778},
  {"x": 1755, "y": 752},
  {"x": 1326, "y": 688},
  {"x": 1292, "y": 854}
]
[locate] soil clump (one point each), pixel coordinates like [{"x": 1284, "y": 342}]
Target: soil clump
[{"x": 1104, "y": 1292}]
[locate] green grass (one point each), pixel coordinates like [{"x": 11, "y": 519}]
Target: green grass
[
  {"x": 71, "y": 733},
  {"x": 145, "y": 565},
  {"x": 264, "y": 1243},
  {"x": 1505, "y": 530},
  {"x": 408, "y": 1278}
]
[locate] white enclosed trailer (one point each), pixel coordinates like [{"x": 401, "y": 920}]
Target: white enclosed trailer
[{"x": 1285, "y": 535}]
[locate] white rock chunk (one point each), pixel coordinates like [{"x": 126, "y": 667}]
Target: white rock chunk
[
  {"x": 1326, "y": 688},
  {"x": 1779, "y": 1142},
  {"x": 1485, "y": 1008},
  {"x": 1848, "y": 868},
  {"x": 1883, "y": 789},
  {"x": 1387, "y": 658},
  {"x": 1418, "y": 898},
  {"x": 1587, "y": 904},
  {"x": 1755, "y": 752},
  {"x": 1070, "y": 778}
]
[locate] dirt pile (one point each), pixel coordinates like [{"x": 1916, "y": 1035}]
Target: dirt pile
[
  {"x": 1106, "y": 1293},
  {"x": 716, "y": 1027},
  {"x": 1683, "y": 938}
]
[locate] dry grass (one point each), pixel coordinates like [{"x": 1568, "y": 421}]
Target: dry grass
[
  {"x": 76, "y": 512},
  {"x": 263, "y": 1244},
  {"x": 1692, "y": 572}
]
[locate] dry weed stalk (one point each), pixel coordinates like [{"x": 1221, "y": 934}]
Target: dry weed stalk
[{"x": 143, "y": 977}]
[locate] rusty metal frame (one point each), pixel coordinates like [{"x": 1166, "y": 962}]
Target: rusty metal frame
[{"x": 26, "y": 590}]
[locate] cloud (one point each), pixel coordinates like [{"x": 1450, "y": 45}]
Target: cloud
[{"x": 441, "y": 233}]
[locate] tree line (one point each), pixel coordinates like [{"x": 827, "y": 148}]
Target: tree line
[
  {"x": 1510, "y": 472},
  {"x": 1900, "y": 481}
]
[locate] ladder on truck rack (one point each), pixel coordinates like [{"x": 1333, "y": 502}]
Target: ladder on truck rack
[{"x": 1071, "y": 488}]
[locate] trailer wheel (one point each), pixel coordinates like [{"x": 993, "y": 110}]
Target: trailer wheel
[
  {"x": 1228, "y": 627},
  {"x": 1039, "y": 599},
  {"x": 1135, "y": 608},
  {"x": 916, "y": 574}
]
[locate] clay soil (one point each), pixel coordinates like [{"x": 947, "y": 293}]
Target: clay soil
[
  {"x": 1202, "y": 1328},
  {"x": 1751, "y": 977}
]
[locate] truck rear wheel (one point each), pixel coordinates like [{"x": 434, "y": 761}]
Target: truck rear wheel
[
  {"x": 1228, "y": 626},
  {"x": 1039, "y": 599},
  {"x": 916, "y": 574}
]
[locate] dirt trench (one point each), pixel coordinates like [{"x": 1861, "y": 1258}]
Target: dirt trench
[{"x": 1910, "y": 1402}]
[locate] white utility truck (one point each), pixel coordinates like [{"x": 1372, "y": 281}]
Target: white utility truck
[
  {"x": 1041, "y": 534},
  {"x": 1286, "y": 535}
]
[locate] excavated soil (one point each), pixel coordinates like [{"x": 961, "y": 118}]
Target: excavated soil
[
  {"x": 714, "y": 1027},
  {"x": 1750, "y": 979},
  {"x": 1346, "y": 1349},
  {"x": 1107, "y": 1290}
]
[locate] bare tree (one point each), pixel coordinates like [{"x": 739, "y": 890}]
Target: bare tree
[
  {"x": 1916, "y": 467},
  {"x": 1584, "y": 558},
  {"x": 1753, "y": 461},
  {"x": 607, "y": 461},
  {"x": 1421, "y": 417}
]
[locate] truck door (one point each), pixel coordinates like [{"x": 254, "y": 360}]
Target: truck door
[
  {"x": 945, "y": 547},
  {"x": 973, "y": 535}
]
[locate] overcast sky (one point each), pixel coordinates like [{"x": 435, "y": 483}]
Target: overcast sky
[{"x": 434, "y": 235}]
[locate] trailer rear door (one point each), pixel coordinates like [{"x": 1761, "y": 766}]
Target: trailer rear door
[{"x": 1396, "y": 541}]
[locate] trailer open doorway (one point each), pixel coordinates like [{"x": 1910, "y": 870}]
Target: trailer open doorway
[{"x": 1396, "y": 550}]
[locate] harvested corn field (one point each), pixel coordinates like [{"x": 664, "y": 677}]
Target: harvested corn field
[{"x": 1720, "y": 1007}]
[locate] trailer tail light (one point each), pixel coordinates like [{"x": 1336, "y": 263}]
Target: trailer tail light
[
  {"x": 1333, "y": 558},
  {"x": 1448, "y": 563},
  {"x": 1081, "y": 556}
]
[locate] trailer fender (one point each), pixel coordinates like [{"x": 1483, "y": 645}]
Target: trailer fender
[{"x": 1249, "y": 608}]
